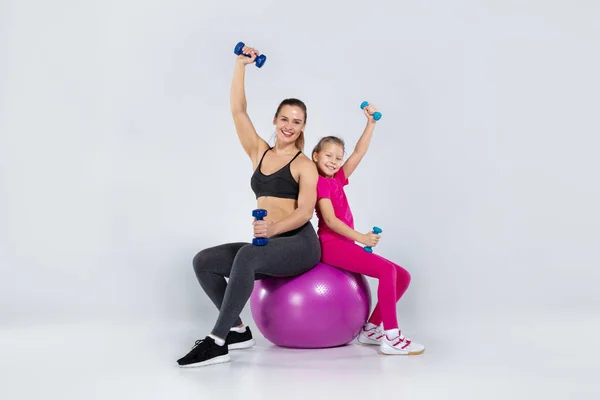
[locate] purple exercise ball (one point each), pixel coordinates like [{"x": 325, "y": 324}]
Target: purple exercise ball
[{"x": 324, "y": 307}]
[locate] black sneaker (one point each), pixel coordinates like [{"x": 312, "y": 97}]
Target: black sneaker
[
  {"x": 236, "y": 340},
  {"x": 205, "y": 352}
]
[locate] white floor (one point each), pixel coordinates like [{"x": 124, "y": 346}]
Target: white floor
[{"x": 529, "y": 357}]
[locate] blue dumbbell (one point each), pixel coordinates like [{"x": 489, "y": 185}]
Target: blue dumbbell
[
  {"x": 376, "y": 114},
  {"x": 376, "y": 231},
  {"x": 260, "y": 60},
  {"x": 259, "y": 214}
]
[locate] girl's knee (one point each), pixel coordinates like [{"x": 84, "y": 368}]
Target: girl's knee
[{"x": 403, "y": 276}]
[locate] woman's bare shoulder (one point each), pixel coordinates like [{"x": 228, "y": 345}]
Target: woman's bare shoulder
[{"x": 306, "y": 165}]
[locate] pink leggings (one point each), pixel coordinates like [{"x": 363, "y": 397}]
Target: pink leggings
[{"x": 393, "y": 279}]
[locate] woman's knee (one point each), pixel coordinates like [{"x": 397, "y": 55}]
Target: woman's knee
[{"x": 202, "y": 260}]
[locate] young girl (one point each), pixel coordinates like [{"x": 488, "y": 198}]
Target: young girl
[{"x": 337, "y": 236}]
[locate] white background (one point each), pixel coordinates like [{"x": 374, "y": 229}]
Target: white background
[{"x": 119, "y": 159}]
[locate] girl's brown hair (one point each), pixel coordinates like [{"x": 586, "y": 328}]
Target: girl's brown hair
[{"x": 329, "y": 139}]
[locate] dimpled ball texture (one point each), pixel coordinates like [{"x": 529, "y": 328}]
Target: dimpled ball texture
[{"x": 324, "y": 307}]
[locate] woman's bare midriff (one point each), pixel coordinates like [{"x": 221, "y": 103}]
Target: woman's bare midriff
[{"x": 277, "y": 208}]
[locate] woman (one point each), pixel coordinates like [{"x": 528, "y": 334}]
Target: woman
[{"x": 284, "y": 182}]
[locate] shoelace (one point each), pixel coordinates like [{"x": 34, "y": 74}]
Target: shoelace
[
  {"x": 197, "y": 343},
  {"x": 399, "y": 339}
]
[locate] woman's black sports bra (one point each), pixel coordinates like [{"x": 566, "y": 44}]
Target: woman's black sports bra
[{"x": 279, "y": 184}]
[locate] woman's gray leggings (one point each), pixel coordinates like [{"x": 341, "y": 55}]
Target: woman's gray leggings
[{"x": 291, "y": 253}]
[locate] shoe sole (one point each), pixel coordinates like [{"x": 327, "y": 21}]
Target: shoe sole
[
  {"x": 367, "y": 341},
  {"x": 217, "y": 360},
  {"x": 241, "y": 345},
  {"x": 392, "y": 352}
]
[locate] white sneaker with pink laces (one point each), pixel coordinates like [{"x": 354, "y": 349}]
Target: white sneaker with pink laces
[
  {"x": 370, "y": 335},
  {"x": 398, "y": 344}
]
